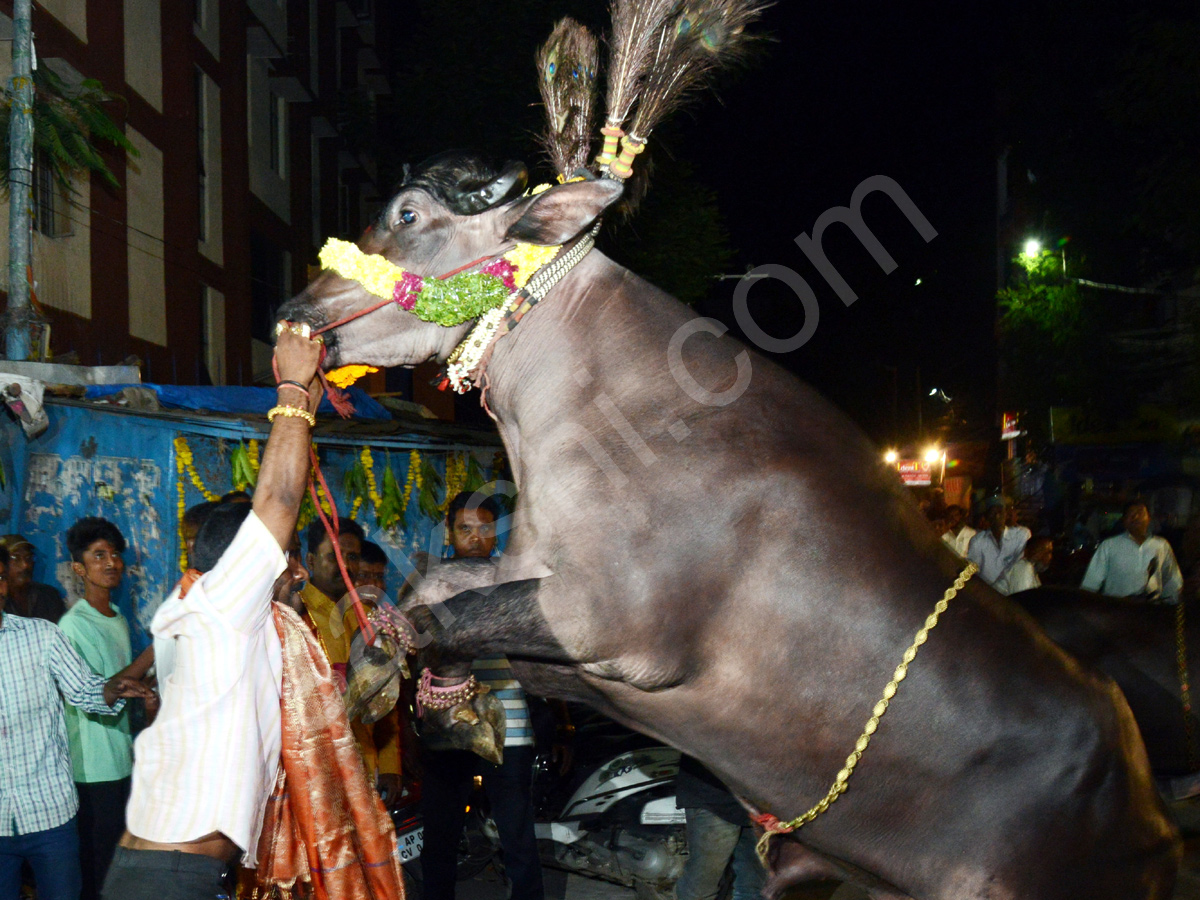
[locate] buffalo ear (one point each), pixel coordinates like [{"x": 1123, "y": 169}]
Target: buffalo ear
[{"x": 562, "y": 212}]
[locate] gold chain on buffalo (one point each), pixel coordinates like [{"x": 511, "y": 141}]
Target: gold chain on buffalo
[{"x": 773, "y": 826}]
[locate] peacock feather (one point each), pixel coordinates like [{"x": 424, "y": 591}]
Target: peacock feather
[
  {"x": 700, "y": 37},
  {"x": 567, "y": 64}
]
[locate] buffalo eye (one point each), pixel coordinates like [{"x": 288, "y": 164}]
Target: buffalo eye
[{"x": 407, "y": 217}]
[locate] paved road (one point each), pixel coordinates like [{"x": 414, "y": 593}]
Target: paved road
[{"x": 489, "y": 885}]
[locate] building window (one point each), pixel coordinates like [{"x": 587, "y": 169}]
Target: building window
[
  {"x": 50, "y": 214},
  {"x": 212, "y": 336},
  {"x": 201, "y": 153},
  {"x": 277, "y": 123},
  {"x": 268, "y": 285}
]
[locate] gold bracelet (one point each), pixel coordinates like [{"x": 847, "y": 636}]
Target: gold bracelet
[{"x": 292, "y": 412}]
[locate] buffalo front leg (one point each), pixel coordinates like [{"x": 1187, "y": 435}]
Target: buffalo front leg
[{"x": 498, "y": 619}]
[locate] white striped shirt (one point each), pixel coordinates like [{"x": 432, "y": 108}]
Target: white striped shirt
[
  {"x": 209, "y": 761},
  {"x": 37, "y": 792},
  {"x": 496, "y": 673}
]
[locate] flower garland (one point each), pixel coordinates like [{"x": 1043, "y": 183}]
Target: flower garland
[
  {"x": 345, "y": 376},
  {"x": 449, "y": 301},
  {"x": 361, "y": 484},
  {"x": 372, "y": 485},
  {"x": 456, "y": 479},
  {"x": 183, "y": 557},
  {"x": 467, "y": 356},
  {"x": 184, "y": 461},
  {"x": 414, "y": 479}
]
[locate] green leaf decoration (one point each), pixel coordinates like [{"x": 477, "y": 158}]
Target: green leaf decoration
[
  {"x": 475, "y": 479},
  {"x": 467, "y": 295},
  {"x": 354, "y": 483},
  {"x": 391, "y": 505},
  {"x": 430, "y": 489},
  {"x": 242, "y": 471}
]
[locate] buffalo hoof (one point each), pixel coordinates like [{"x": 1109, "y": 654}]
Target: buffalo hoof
[{"x": 477, "y": 725}]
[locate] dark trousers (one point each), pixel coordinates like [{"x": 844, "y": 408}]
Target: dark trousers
[
  {"x": 166, "y": 875},
  {"x": 101, "y": 824},
  {"x": 52, "y": 854},
  {"x": 446, "y": 787}
]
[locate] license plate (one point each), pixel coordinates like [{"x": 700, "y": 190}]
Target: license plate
[{"x": 411, "y": 843}]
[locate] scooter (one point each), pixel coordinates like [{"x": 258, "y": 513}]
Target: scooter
[
  {"x": 615, "y": 817},
  {"x": 612, "y": 816}
]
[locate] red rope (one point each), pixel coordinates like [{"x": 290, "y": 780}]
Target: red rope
[
  {"x": 352, "y": 317},
  {"x": 332, "y": 528}
]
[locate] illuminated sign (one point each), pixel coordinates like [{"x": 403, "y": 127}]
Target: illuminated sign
[
  {"x": 915, "y": 472},
  {"x": 1010, "y": 426}
]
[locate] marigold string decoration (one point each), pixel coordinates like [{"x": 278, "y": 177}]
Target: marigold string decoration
[{"x": 447, "y": 302}]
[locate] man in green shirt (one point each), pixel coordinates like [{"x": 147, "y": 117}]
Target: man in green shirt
[{"x": 101, "y": 746}]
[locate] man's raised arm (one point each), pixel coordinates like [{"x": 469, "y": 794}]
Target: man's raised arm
[{"x": 283, "y": 476}]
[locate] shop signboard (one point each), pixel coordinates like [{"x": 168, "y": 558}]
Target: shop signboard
[{"x": 915, "y": 472}]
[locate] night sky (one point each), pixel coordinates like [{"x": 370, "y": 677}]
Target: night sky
[
  {"x": 845, "y": 92},
  {"x": 926, "y": 93}
]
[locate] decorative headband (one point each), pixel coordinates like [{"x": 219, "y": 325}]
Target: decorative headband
[{"x": 449, "y": 301}]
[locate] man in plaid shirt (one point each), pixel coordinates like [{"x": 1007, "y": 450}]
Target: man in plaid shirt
[{"x": 38, "y": 802}]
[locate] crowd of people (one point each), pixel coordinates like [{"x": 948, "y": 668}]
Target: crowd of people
[{"x": 1133, "y": 565}]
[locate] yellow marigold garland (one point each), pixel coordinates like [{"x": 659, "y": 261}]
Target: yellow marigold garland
[
  {"x": 414, "y": 479},
  {"x": 378, "y": 275},
  {"x": 184, "y": 462},
  {"x": 372, "y": 486},
  {"x": 347, "y": 375},
  {"x": 183, "y": 560},
  {"x": 527, "y": 259}
]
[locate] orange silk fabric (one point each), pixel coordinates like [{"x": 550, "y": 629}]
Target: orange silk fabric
[{"x": 325, "y": 832}]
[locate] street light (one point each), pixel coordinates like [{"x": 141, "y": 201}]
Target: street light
[
  {"x": 891, "y": 457},
  {"x": 933, "y": 454},
  {"x": 1033, "y": 248}
]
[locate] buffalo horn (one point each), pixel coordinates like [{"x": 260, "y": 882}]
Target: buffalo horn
[{"x": 510, "y": 181}]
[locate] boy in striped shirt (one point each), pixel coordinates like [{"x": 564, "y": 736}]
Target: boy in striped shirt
[{"x": 449, "y": 774}]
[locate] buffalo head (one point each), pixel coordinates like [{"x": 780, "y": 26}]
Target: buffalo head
[{"x": 451, "y": 210}]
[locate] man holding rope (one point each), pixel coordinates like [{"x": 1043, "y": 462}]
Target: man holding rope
[{"x": 208, "y": 771}]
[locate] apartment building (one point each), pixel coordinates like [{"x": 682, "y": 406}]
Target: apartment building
[{"x": 234, "y": 107}]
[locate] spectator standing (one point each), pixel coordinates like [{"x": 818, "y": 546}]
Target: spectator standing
[
  {"x": 1024, "y": 573},
  {"x": 958, "y": 533},
  {"x": 192, "y": 520},
  {"x": 718, "y": 833},
  {"x": 1013, "y": 521},
  {"x": 335, "y": 623},
  {"x": 372, "y": 567},
  {"x": 27, "y": 597},
  {"x": 1135, "y": 565},
  {"x": 999, "y": 546},
  {"x": 38, "y": 803},
  {"x": 449, "y": 774},
  {"x": 101, "y": 746}
]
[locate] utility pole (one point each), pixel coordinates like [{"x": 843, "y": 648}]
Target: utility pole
[{"x": 19, "y": 315}]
